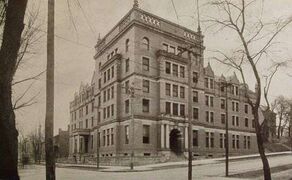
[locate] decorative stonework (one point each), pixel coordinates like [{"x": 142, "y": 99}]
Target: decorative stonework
[
  {"x": 124, "y": 23},
  {"x": 191, "y": 36},
  {"x": 150, "y": 20}
]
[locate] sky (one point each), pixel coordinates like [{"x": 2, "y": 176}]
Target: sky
[{"x": 78, "y": 24}]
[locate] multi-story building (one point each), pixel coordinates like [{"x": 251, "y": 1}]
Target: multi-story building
[{"x": 139, "y": 91}]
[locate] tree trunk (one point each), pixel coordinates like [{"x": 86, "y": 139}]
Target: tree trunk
[
  {"x": 13, "y": 28},
  {"x": 280, "y": 126},
  {"x": 266, "y": 166}
]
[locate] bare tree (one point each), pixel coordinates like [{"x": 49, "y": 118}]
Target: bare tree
[
  {"x": 36, "y": 139},
  {"x": 255, "y": 38},
  {"x": 282, "y": 108},
  {"x": 12, "y": 13}
]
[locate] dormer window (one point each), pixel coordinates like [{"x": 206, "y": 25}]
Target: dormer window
[{"x": 145, "y": 43}]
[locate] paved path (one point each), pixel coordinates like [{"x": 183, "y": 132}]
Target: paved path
[{"x": 200, "y": 171}]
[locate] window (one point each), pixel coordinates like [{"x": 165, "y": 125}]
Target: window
[
  {"x": 211, "y": 83},
  {"x": 86, "y": 109},
  {"x": 195, "y": 113},
  {"x": 207, "y": 140},
  {"x": 233, "y": 141},
  {"x": 222, "y": 89},
  {"x": 146, "y": 134},
  {"x": 108, "y": 111},
  {"x": 246, "y": 109},
  {"x": 221, "y": 140},
  {"x": 146, "y": 86},
  {"x": 145, "y": 43},
  {"x": 167, "y": 89},
  {"x": 165, "y": 47},
  {"x": 175, "y": 91},
  {"x": 253, "y": 123},
  {"x": 113, "y": 89},
  {"x": 207, "y": 100},
  {"x": 175, "y": 70},
  {"x": 99, "y": 83},
  {"x": 104, "y": 113},
  {"x": 127, "y": 134},
  {"x": 236, "y": 90},
  {"x": 175, "y": 109},
  {"x": 246, "y": 122},
  {"x": 212, "y": 140},
  {"x": 223, "y": 104},
  {"x": 127, "y": 44},
  {"x": 108, "y": 137},
  {"x": 237, "y": 121},
  {"x": 182, "y": 110},
  {"x": 127, "y": 65},
  {"x": 237, "y": 106},
  {"x": 248, "y": 142},
  {"x": 233, "y": 120},
  {"x": 182, "y": 92},
  {"x": 172, "y": 49},
  {"x": 92, "y": 107},
  {"x": 195, "y": 96},
  {"x": 127, "y": 104},
  {"x": 195, "y": 77},
  {"x": 103, "y": 136},
  {"x": 108, "y": 74},
  {"x": 112, "y": 136},
  {"x": 167, "y": 108},
  {"x": 104, "y": 77},
  {"x": 212, "y": 117},
  {"x": 113, "y": 110},
  {"x": 195, "y": 138},
  {"x": 206, "y": 83},
  {"x": 237, "y": 141},
  {"x": 127, "y": 86},
  {"x": 113, "y": 71},
  {"x": 207, "y": 116},
  {"x": 223, "y": 118},
  {"x": 108, "y": 94},
  {"x": 86, "y": 123},
  {"x": 98, "y": 117},
  {"x": 182, "y": 71},
  {"x": 244, "y": 142},
  {"x": 212, "y": 101},
  {"x": 145, "y": 63},
  {"x": 167, "y": 67},
  {"x": 146, "y": 104}
]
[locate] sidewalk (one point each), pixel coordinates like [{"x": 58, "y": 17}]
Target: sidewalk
[{"x": 168, "y": 165}]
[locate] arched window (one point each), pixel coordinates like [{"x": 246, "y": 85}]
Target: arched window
[
  {"x": 145, "y": 43},
  {"x": 127, "y": 45}
]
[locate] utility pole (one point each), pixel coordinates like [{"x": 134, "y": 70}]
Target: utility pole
[
  {"x": 190, "y": 117},
  {"x": 98, "y": 138},
  {"x": 131, "y": 92},
  {"x": 49, "y": 121},
  {"x": 190, "y": 109},
  {"x": 225, "y": 85}
]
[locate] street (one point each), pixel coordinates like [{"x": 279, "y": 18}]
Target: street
[{"x": 204, "y": 171}]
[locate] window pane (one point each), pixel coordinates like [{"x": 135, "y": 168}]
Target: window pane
[{"x": 175, "y": 70}]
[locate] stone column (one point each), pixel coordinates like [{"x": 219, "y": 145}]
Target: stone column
[
  {"x": 162, "y": 135},
  {"x": 78, "y": 143},
  {"x": 167, "y": 135}
]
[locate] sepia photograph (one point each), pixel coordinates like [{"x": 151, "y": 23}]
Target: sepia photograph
[{"x": 145, "y": 90}]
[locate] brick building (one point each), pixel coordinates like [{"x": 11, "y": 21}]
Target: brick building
[{"x": 143, "y": 52}]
